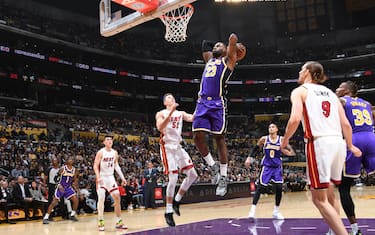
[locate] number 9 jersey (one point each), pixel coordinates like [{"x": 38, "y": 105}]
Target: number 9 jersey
[
  {"x": 359, "y": 114},
  {"x": 321, "y": 112}
]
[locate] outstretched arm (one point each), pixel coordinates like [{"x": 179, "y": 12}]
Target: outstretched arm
[
  {"x": 207, "y": 47},
  {"x": 187, "y": 117},
  {"x": 232, "y": 51}
]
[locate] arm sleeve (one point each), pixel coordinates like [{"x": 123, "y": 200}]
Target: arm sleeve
[{"x": 255, "y": 151}]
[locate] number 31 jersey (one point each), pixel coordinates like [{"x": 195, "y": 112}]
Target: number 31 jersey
[
  {"x": 320, "y": 112},
  {"x": 359, "y": 114},
  {"x": 171, "y": 134}
]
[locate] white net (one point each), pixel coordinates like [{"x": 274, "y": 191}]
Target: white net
[{"x": 176, "y": 22}]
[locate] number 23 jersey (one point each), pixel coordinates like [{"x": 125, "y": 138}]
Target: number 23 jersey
[{"x": 320, "y": 112}]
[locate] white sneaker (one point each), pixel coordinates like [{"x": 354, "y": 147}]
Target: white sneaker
[
  {"x": 277, "y": 215},
  {"x": 251, "y": 215},
  {"x": 221, "y": 189}
]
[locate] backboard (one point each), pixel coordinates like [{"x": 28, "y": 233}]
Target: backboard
[{"x": 110, "y": 26}]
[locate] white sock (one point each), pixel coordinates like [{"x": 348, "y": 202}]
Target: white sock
[
  {"x": 275, "y": 209},
  {"x": 354, "y": 228},
  {"x": 223, "y": 169},
  {"x": 169, "y": 208},
  {"x": 253, "y": 207},
  {"x": 73, "y": 213},
  {"x": 178, "y": 197},
  {"x": 46, "y": 216},
  {"x": 210, "y": 161},
  {"x": 118, "y": 219}
]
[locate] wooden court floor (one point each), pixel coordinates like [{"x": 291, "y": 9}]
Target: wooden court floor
[{"x": 293, "y": 205}]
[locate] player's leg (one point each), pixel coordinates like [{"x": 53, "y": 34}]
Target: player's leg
[
  {"x": 169, "y": 157},
  {"x": 328, "y": 212},
  {"x": 53, "y": 204},
  {"x": 326, "y": 157},
  {"x": 115, "y": 194},
  {"x": 264, "y": 179},
  {"x": 186, "y": 167},
  {"x": 172, "y": 181},
  {"x": 278, "y": 180},
  {"x": 101, "y": 198},
  {"x": 201, "y": 126},
  {"x": 72, "y": 197}
]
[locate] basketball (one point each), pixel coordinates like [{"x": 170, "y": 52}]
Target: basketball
[{"x": 241, "y": 51}]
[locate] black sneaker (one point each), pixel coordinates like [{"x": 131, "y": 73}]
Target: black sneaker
[
  {"x": 74, "y": 218},
  {"x": 176, "y": 207},
  {"x": 45, "y": 221},
  {"x": 169, "y": 219}
]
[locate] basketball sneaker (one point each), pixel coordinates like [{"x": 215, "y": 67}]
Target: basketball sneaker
[
  {"x": 121, "y": 225},
  {"x": 45, "y": 221},
  {"x": 101, "y": 225},
  {"x": 221, "y": 189},
  {"x": 176, "y": 207},
  {"x": 74, "y": 218},
  {"x": 251, "y": 214},
  {"x": 277, "y": 215},
  {"x": 169, "y": 219},
  {"x": 215, "y": 172},
  {"x": 358, "y": 233}
]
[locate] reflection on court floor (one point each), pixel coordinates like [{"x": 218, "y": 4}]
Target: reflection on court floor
[{"x": 257, "y": 227}]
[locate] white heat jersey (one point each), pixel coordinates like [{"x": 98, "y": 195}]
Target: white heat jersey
[
  {"x": 171, "y": 134},
  {"x": 320, "y": 112},
  {"x": 107, "y": 163}
]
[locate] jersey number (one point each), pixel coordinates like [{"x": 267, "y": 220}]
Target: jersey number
[
  {"x": 326, "y": 107},
  {"x": 175, "y": 124},
  {"x": 362, "y": 117},
  {"x": 272, "y": 153},
  {"x": 210, "y": 71},
  {"x": 110, "y": 164}
]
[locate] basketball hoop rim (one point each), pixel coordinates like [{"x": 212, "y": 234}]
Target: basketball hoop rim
[{"x": 187, "y": 15}]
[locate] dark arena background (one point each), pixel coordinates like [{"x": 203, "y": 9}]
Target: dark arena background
[{"x": 64, "y": 87}]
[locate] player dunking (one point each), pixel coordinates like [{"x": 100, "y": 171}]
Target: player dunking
[
  {"x": 211, "y": 110},
  {"x": 360, "y": 115},
  {"x": 169, "y": 123},
  {"x": 324, "y": 123},
  {"x": 106, "y": 162},
  {"x": 67, "y": 178},
  {"x": 272, "y": 168}
]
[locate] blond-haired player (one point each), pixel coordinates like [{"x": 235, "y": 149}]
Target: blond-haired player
[
  {"x": 106, "y": 162},
  {"x": 169, "y": 123},
  {"x": 324, "y": 123}
]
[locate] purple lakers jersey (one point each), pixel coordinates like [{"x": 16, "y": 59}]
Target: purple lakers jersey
[
  {"x": 272, "y": 153},
  {"x": 214, "y": 78},
  {"x": 359, "y": 114},
  {"x": 67, "y": 176}
]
